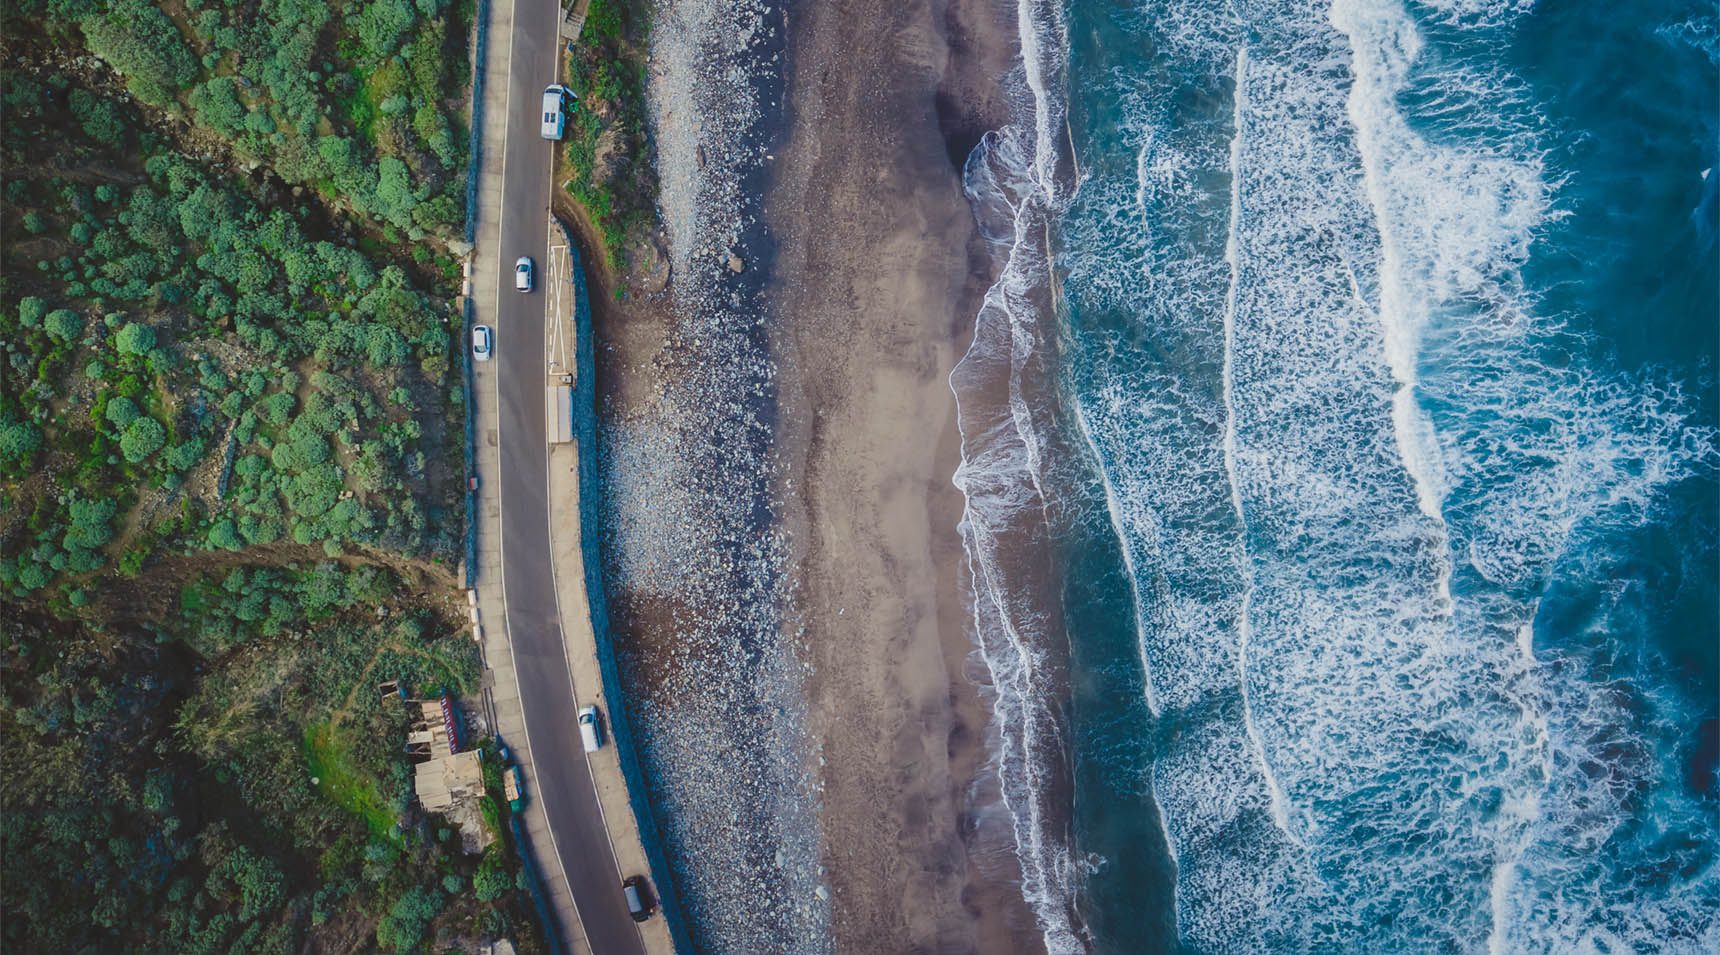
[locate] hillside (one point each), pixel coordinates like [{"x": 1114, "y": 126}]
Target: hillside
[{"x": 231, "y": 476}]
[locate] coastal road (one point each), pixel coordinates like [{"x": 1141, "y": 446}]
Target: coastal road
[{"x": 561, "y": 780}]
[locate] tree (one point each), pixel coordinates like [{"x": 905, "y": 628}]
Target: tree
[
  {"x": 92, "y": 523},
  {"x": 217, "y": 106},
  {"x": 144, "y": 46},
  {"x": 63, "y": 324},
  {"x": 18, "y": 442},
  {"x": 100, "y": 120},
  {"x": 122, "y": 411},
  {"x": 185, "y": 455},
  {"x": 142, "y": 438},
  {"x": 403, "y": 928},
  {"x": 30, "y": 311},
  {"x": 134, "y": 339},
  {"x": 394, "y": 195},
  {"x": 383, "y": 24}
]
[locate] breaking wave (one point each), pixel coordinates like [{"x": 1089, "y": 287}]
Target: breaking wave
[{"x": 1348, "y": 451}]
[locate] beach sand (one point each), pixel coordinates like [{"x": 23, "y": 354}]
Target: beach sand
[{"x": 877, "y": 279}]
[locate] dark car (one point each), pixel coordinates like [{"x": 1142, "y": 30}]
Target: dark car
[{"x": 639, "y": 901}]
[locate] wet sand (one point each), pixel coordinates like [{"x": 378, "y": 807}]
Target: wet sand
[{"x": 877, "y": 279}]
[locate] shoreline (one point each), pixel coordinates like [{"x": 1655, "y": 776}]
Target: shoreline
[{"x": 867, "y": 326}]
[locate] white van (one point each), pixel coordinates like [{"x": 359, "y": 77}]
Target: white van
[
  {"x": 554, "y": 117},
  {"x": 590, "y": 733}
]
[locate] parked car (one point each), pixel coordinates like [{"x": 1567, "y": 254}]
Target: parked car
[
  {"x": 554, "y": 113},
  {"x": 590, "y": 731},
  {"x": 514, "y": 787},
  {"x": 523, "y": 273},
  {"x": 639, "y": 900},
  {"x": 482, "y": 342}
]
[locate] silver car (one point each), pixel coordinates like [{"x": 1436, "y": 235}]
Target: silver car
[
  {"x": 481, "y": 342},
  {"x": 523, "y": 274}
]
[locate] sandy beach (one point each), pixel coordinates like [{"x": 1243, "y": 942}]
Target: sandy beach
[{"x": 871, "y": 317}]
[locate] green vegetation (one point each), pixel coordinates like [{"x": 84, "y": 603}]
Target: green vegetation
[
  {"x": 301, "y": 85},
  {"x": 230, "y": 489},
  {"x": 227, "y": 378},
  {"x": 234, "y": 801},
  {"x": 609, "y": 166}
]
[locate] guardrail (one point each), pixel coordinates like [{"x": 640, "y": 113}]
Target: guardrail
[{"x": 620, "y": 730}]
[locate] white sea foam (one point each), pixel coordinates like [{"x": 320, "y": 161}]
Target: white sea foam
[
  {"x": 1364, "y": 510},
  {"x": 1013, "y": 180}
]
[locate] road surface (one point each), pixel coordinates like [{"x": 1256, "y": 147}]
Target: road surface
[{"x": 562, "y": 785}]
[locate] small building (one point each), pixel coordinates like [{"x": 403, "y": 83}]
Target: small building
[
  {"x": 442, "y": 782},
  {"x": 446, "y": 780}
]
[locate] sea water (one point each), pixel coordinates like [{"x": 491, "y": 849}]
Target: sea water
[{"x": 1382, "y": 344}]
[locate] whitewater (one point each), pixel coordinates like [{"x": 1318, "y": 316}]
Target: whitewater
[{"x": 1272, "y": 274}]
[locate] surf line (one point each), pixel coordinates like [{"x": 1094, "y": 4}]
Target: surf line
[{"x": 1244, "y": 632}]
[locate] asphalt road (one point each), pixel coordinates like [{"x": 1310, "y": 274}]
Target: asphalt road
[{"x": 561, "y": 783}]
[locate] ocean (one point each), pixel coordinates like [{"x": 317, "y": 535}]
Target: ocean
[{"x": 1356, "y": 361}]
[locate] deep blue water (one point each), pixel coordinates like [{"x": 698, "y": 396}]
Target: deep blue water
[{"x": 1387, "y": 337}]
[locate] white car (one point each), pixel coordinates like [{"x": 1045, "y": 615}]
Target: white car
[
  {"x": 523, "y": 274},
  {"x": 481, "y": 342},
  {"x": 554, "y": 117},
  {"x": 590, "y": 733}
]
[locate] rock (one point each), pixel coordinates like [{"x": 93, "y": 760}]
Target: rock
[{"x": 735, "y": 263}]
